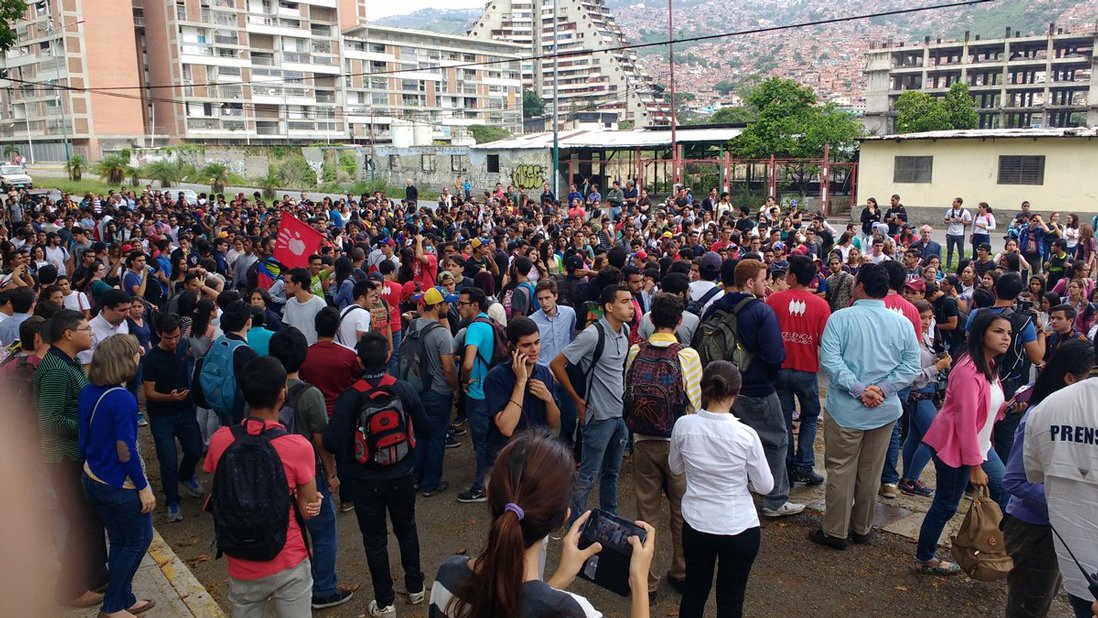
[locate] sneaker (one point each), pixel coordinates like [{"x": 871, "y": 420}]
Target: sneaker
[
  {"x": 458, "y": 430},
  {"x": 452, "y": 443},
  {"x": 805, "y": 475},
  {"x": 388, "y": 611},
  {"x": 915, "y": 488},
  {"x": 174, "y": 513},
  {"x": 193, "y": 487},
  {"x": 785, "y": 510},
  {"x": 141, "y": 420},
  {"x": 415, "y": 598},
  {"x": 346, "y": 506},
  {"x": 443, "y": 486},
  {"x": 889, "y": 491},
  {"x": 472, "y": 495},
  {"x": 339, "y": 597}
]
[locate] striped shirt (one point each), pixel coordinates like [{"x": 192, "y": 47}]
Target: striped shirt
[
  {"x": 57, "y": 384},
  {"x": 690, "y": 363}
]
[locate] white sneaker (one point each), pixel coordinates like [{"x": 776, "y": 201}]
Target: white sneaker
[
  {"x": 785, "y": 510},
  {"x": 415, "y": 598},
  {"x": 381, "y": 612}
]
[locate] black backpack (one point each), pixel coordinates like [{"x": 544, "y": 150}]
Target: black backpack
[
  {"x": 288, "y": 414},
  {"x": 251, "y": 498},
  {"x": 697, "y": 307},
  {"x": 411, "y": 363}
]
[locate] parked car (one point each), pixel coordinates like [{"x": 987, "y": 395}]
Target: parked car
[{"x": 14, "y": 177}]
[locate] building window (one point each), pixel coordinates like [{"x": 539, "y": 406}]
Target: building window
[
  {"x": 913, "y": 169},
  {"x": 1021, "y": 170},
  {"x": 456, "y": 164},
  {"x": 427, "y": 162},
  {"x": 493, "y": 164}
]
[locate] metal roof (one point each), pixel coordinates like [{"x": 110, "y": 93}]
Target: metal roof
[
  {"x": 989, "y": 133},
  {"x": 602, "y": 138}
]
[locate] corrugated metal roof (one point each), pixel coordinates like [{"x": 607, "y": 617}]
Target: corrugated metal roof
[
  {"x": 990, "y": 133},
  {"x": 593, "y": 138}
]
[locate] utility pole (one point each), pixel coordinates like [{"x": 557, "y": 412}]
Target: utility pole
[
  {"x": 671, "y": 62},
  {"x": 556, "y": 115}
]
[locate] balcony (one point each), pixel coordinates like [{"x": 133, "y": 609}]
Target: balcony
[
  {"x": 203, "y": 124},
  {"x": 225, "y": 39},
  {"x": 298, "y": 57},
  {"x": 267, "y": 129},
  {"x": 219, "y": 18}
]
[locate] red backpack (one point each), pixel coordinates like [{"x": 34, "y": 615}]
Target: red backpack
[
  {"x": 655, "y": 396},
  {"x": 384, "y": 435}
]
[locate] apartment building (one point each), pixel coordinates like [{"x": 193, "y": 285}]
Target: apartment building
[
  {"x": 64, "y": 47},
  {"x": 1018, "y": 81},
  {"x": 608, "y": 81},
  {"x": 396, "y": 75}
]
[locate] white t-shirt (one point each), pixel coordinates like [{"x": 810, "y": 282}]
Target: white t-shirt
[
  {"x": 698, "y": 289},
  {"x": 302, "y": 315},
  {"x": 57, "y": 257},
  {"x": 1061, "y": 451},
  {"x": 983, "y": 437},
  {"x": 355, "y": 319},
  {"x": 77, "y": 301},
  {"x": 958, "y": 228}
]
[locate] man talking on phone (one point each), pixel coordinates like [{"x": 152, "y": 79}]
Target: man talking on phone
[{"x": 172, "y": 414}]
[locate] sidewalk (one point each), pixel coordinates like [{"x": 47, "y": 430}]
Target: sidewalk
[{"x": 164, "y": 578}]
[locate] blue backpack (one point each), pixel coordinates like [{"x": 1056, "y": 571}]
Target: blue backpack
[{"x": 217, "y": 378}]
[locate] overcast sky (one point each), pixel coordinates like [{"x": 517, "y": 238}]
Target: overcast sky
[{"x": 376, "y": 10}]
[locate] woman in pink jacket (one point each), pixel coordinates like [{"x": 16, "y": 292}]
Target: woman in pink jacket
[{"x": 961, "y": 435}]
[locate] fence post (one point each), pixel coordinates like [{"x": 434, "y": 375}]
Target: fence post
[
  {"x": 825, "y": 179},
  {"x": 772, "y": 178},
  {"x": 726, "y": 172}
]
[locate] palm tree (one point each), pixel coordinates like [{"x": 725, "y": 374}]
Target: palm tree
[
  {"x": 269, "y": 184},
  {"x": 218, "y": 173},
  {"x": 112, "y": 169},
  {"x": 74, "y": 167},
  {"x": 164, "y": 172}
]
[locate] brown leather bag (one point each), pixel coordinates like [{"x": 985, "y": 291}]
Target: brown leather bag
[{"x": 978, "y": 546}]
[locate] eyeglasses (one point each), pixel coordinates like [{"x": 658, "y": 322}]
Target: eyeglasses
[
  {"x": 87, "y": 328},
  {"x": 462, "y": 303}
]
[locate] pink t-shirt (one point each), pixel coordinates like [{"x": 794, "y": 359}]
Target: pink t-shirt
[
  {"x": 393, "y": 294},
  {"x": 299, "y": 462},
  {"x": 801, "y": 316},
  {"x": 903, "y": 306},
  {"x": 425, "y": 275}
]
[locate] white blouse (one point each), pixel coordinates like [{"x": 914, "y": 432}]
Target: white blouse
[{"x": 719, "y": 455}]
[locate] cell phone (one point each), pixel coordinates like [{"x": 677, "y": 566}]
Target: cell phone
[
  {"x": 1023, "y": 394},
  {"x": 610, "y": 567}
]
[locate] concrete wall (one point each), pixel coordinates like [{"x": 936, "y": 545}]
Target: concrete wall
[
  {"x": 969, "y": 168},
  {"x": 435, "y": 167}
]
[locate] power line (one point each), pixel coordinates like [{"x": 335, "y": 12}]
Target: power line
[{"x": 585, "y": 52}]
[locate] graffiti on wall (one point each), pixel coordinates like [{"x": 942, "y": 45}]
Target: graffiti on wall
[{"x": 528, "y": 176}]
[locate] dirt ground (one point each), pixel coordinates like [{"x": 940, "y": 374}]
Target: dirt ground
[{"x": 791, "y": 577}]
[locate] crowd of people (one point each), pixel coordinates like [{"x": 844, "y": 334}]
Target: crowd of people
[{"x": 556, "y": 335}]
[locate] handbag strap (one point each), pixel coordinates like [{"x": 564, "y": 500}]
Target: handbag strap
[{"x": 100, "y": 400}]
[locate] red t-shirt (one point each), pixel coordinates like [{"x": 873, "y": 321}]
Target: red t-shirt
[
  {"x": 332, "y": 368},
  {"x": 801, "y": 316},
  {"x": 425, "y": 275},
  {"x": 393, "y": 293},
  {"x": 298, "y": 460},
  {"x": 903, "y": 306}
]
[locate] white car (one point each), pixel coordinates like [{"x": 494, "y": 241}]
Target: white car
[{"x": 14, "y": 177}]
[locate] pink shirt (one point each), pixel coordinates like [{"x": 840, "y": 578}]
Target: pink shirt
[
  {"x": 903, "y": 306},
  {"x": 954, "y": 433}
]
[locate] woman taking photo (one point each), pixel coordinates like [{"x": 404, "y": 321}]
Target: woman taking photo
[
  {"x": 960, "y": 435},
  {"x": 114, "y": 475},
  {"x": 720, "y": 456},
  {"x": 1033, "y": 581},
  {"x": 528, "y": 495}
]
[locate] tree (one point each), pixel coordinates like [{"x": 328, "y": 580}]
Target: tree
[
  {"x": 532, "y": 104},
  {"x": 961, "y": 107},
  {"x": 74, "y": 167},
  {"x": 724, "y": 87},
  {"x": 484, "y": 133},
  {"x": 734, "y": 115},
  {"x": 111, "y": 169},
  {"x": 918, "y": 111},
  {"x": 790, "y": 124},
  {"x": 217, "y": 174},
  {"x": 10, "y": 12},
  {"x": 165, "y": 172}
]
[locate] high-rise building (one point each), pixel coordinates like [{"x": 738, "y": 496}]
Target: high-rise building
[
  {"x": 605, "y": 81},
  {"x": 441, "y": 80},
  {"x": 1048, "y": 80}
]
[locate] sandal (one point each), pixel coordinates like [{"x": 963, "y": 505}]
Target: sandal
[
  {"x": 937, "y": 566},
  {"x": 142, "y": 606}
]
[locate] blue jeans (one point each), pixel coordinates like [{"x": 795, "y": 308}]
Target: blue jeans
[
  {"x": 398, "y": 336},
  {"x": 603, "y": 447},
  {"x": 130, "y": 533},
  {"x": 806, "y": 388},
  {"x": 477, "y": 412},
  {"x": 166, "y": 428},
  {"x": 431, "y": 448},
  {"x": 951, "y": 485},
  {"x": 1081, "y": 607},
  {"x": 889, "y": 475},
  {"x": 323, "y": 532},
  {"x": 917, "y": 455}
]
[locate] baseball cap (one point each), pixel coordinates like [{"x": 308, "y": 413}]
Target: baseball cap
[
  {"x": 780, "y": 266},
  {"x": 916, "y": 284},
  {"x": 668, "y": 234},
  {"x": 711, "y": 262},
  {"x": 477, "y": 243},
  {"x": 434, "y": 296}
]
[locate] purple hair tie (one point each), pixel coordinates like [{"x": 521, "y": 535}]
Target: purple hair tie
[{"x": 516, "y": 509}]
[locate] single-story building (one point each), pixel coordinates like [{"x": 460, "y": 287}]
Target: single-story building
[{"x": 1055, "y": 169}]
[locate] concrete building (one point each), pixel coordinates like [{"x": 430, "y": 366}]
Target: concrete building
[
  {"x": 1049, "y": 80},
  {"x": 1052, "y": 168},
  {"x": 606, "y": 82},
  {"x": 423, "y": 77},
  {"x": 64, "y": 47}
]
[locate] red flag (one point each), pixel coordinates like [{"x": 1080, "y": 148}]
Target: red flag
[{"x": 296, "y": 241}]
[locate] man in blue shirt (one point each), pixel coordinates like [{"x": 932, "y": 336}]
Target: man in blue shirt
[
  {"x": 868, "y": 353},
  {"x": 479, "y": 347},
  {"x": 557, "y": 327}
]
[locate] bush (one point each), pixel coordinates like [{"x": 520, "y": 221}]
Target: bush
[
  {"x": 111, "y": 169},
  {"x": 74, "y": 167},
  {"x": 295, "y": 173},
  {"x": 165, "y": 172},
  {"x": 217, "y": 174}
]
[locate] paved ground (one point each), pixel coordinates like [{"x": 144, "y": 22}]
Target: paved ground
[{"x": 791, "y": 576}]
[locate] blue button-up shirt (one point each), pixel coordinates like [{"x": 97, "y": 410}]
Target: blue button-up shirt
[
  {"x": 866, "y": 345},
  {"x": 556, "y": 332}
]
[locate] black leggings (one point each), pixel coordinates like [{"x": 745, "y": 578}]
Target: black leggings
[{"x": 736, "y": 553}]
